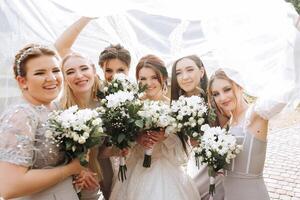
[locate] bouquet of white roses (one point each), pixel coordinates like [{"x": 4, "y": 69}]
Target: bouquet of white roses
[
  {"x": 120, "y": 106},
  {"x": 217, "y": 148},
  {"x": 75, "y": 131},
  {"x": 156, "y": 115},
  {"x": 120, "y": 82},
  {"x": 122, "y": 123},
  {"x": 189, "y": 114}
]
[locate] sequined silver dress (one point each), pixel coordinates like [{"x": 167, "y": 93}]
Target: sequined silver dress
[{"x": 23, "y": 142}]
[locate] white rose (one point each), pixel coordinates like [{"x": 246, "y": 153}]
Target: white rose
[
  {"x": 208, "y": 153},
  {"x": 86, "y": 135},
  {"x": 195, "y": 134},
  {"x": 73, "y": 148},
  {"x": 179, "y": 117},
  {"x": 191, "y": 119},
  {"x": 75, "y": 137},
  {"x": 170, "y": 130},
  {"x": 115, "y": 84},
  {"x": 100, "y": 129},
  {"x": 200, "y": 121},
  {"x": 96, "y": 121},
  {"x": 205, "y": 127},
  {"x": 81, "y": 140},
  {"x": 240, "y": 147},
  {"x": 227, "y": 160},
  {"x": 179, "y": 125}
]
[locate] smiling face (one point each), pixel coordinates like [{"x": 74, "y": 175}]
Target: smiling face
[
  {"x": 114, "y": 66},
  {"x": 149, "y": 77},
  {"x": 43, "y": 79},
  {"x": 188, "y": 75},
  {"x": 79, "y": 74},
  {"x": 225, "y": 94}
]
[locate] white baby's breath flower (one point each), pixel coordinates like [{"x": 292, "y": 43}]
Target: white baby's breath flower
[{"x": 48, "y": 134}]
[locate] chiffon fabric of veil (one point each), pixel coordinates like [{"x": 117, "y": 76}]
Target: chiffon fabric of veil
[{"x": 257, "y": 38}]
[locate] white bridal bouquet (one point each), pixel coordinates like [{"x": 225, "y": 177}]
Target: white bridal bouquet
[
  {"x": 120, "y": 82},
  {"x": 156, "y": 116},
  {"x": 217, "y": 148},
  {"x": 119, "y": 108},
  {"x": 75, "y": 131},
  {"x": 189, "y": 114}
]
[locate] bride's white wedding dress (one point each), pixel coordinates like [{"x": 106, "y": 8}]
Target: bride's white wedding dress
[{"x": 165, "y": 179}]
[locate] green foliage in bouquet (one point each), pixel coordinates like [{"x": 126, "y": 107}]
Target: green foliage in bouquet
[{"x": 75, "y": 131}]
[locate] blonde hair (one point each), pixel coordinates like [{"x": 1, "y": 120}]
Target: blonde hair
[
  {"x": 68, "y": 99},
  {"x": 219, "y": 74}
]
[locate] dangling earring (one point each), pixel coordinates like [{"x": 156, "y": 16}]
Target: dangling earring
[{"x": 165, "y": 89}]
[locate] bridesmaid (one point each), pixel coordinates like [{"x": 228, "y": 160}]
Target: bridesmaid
[
  {"x": 249, "y": 123},
  {"x": 189, "y": 78},
  {"x": 165, "y": 179},
  {"x": 80, "y": 88},
  {"x": 113, "y": 59},
  {"x": 30, "y": 166}
]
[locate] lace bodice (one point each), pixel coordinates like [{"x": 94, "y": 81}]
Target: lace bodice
[{"x": 22, "y": 137}]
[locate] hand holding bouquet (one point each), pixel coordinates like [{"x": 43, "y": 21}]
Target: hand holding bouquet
[
  {"x": 119, "y": 109},
  {"x": 189, "y": 114},
  {"x": 217, "y": 148},
  {"x": 155, "y": 116},
  {"x": 75, "y": 131}
]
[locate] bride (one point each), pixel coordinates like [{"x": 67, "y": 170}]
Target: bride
[{"x": 165, "y": 179}]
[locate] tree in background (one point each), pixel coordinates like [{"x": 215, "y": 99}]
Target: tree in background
[{"x": 296, "y": 3}]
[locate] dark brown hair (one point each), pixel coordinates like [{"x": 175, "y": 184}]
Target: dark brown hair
[
  {"x": 176, "y": 91},
  {"x": 28, "y": 52},
  {"x": 157, "y": 65},
  {"x": 115, "y": 52}
]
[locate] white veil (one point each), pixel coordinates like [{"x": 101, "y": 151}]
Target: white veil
[{"x": 257, "y": 38}]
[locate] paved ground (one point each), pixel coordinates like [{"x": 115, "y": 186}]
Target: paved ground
[{"x": 282, "y": 169}]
